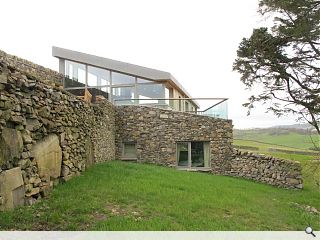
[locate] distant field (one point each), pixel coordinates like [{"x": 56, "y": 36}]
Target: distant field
[
  {"x": 263, "y": 148},
  {"x": 292, "y": 139}
]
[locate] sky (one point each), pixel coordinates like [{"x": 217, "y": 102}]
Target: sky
[{"x": 195, "y": 40}]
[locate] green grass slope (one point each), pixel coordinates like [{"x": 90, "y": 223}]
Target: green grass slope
[{"x": 128, "y": 196}]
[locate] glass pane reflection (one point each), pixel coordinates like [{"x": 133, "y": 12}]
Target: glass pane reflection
[{"x": 119, "y": 78}]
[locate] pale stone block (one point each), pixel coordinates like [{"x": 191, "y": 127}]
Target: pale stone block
[
  {"x": 48, "y": 156},
  {"x": 11, "y": 144},
  {"x": 11, "y": 188}
]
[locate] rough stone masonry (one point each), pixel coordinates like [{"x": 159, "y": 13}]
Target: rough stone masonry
[
  {"x": 48, "y": 135},
  {"x": 266, "y": 169},
  {"x": 156, "y": 131}
]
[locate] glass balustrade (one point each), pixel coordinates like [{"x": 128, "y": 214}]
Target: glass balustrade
[{"x": 123, "y": 89}]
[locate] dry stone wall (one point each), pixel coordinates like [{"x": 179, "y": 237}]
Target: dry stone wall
[
  {"x": 156, "y": 132},
  {"x": 46, "y": 134},
  {"x": 31, "y": 69},
  {"x": 270, "y": 170}
]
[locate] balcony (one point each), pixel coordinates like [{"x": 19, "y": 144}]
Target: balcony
[{"x": 212, "y": 107}]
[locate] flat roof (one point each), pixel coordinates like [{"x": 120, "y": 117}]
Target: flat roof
[{"x": 118, "y": 66}]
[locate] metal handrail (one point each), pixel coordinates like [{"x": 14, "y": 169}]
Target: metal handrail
[
  {"x": 196, "y": 112},
  {"x": 126, "y": 99}
]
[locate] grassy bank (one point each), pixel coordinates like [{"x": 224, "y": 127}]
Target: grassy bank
[{"x": 128, "y": 196}]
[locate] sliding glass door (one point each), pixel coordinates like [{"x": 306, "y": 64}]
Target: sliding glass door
[{"x": 193, "y": 154}]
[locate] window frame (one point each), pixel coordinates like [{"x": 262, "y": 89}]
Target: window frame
[
  {"x": 123, "y": 157},
  {"x": 189, "y": 166}
]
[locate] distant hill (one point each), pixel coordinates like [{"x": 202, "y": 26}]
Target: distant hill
[
  {"x": 304, "y": 129},
  {"x": 304, "y": 126},
  {"x": 297, "y": 136}
]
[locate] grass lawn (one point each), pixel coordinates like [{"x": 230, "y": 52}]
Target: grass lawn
[{"x": 128, "y": 196}]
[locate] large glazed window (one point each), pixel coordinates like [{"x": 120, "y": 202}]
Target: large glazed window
[
  {"x": 124, "y": 93},
  {"x": 75, "y": 74},
  {"x": 119, "y": 78},
  {"x": 193, "y": 154},
  {"x": 150, "y": 91},
  {"x": 98, "y": 77}
]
